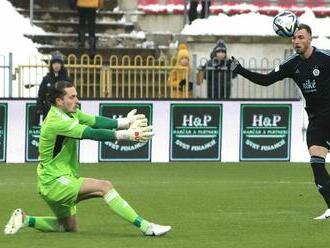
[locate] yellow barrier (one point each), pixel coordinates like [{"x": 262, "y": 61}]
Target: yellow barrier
[{"x": 125, "y": 77}]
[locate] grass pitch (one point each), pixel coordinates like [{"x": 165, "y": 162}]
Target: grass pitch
[{"x": 250, "y": 205}]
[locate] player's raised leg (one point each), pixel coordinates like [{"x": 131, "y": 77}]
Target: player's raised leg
[{"x": 101, "y": 188}]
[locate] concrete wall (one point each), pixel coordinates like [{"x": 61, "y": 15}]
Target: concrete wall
[
  {"x": 161, "y": 23},
  {"x": 127, "y": 5},
  {"x": 243, "y": 47}
]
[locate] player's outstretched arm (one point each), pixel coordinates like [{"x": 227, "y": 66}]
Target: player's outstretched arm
[
  {"x": 257, "y": 78},
  {"x": 132, "y": 120},
  {"x": 142, "y": 134},
  {"x": 102, "y": 122}
]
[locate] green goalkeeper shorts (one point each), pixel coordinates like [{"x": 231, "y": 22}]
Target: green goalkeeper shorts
[{"x": 61, "y": 195}]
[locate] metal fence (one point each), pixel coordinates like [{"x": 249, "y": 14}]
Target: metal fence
[
  {"x": 214, "y": 80},
  {"x": 156, "y": 78},
  {"x": 6, "y": 75},
  {"x": 112, "y": 77},
  {"x": 143, "y": 78}
]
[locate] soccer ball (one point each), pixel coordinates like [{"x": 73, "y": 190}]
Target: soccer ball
[{"x": 285, "y": 24}]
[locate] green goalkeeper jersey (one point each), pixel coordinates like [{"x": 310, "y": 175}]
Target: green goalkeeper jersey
[{"x": 58, "y": 143}]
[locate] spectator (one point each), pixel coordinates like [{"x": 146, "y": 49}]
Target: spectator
[
  {"x": 217, "y": 73},
  {"x": 57, "y": 72},
  {"x": 87, "y": 12},
  {"x": 192, "y": 13},
  {"x": 179, "y": 76}
]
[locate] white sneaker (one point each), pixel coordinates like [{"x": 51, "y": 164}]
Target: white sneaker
[
  {"x": 157, "y": 230},
  {"x": 15, "y": 222},
  {"x": 324, "y": 216}
]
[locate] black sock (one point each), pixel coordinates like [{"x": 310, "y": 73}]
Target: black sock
[{"x": 322, "y": 178}]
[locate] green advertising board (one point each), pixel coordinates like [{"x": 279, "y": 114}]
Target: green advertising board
[
  {"x": 195, "y": 132},
  {"x": 3, "y": 131},
  {"x": 124, "y": 150},
  {"x": 32, "y": 133},
  {"x": 265, "y": 132}
]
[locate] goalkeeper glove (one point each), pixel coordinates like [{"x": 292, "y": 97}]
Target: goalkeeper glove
[
  {"x": 132, "y": 120},
  {"x": 142, "y": 134}
]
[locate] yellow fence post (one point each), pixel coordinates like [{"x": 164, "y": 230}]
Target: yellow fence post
[
  {"x": 72, "y": 65},
  {"x": 113, "y": 65},
  {"x": 98, "y": 62}
]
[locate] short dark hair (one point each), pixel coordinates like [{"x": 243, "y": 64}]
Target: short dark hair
[
  {"x": 306, "y": 27},
  {"x": 58, "y": 91}
]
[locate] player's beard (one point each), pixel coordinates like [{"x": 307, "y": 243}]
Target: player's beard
[{"x": 299, "y": 50}]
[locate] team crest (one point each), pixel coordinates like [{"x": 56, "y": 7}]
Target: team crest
[{"x": 316, "y": 72}]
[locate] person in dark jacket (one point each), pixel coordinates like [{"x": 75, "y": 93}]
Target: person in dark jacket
[
  {"x": 193, "y": 14},
  {"x": 218, "y": 74},
  {"x": 57, "y": 72}
]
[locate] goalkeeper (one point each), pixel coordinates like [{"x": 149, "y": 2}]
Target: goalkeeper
[{"x": 59, "y": 182}]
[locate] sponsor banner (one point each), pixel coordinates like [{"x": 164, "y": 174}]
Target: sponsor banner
[
  {"x": 265, "y": 132},
  {"x": 124, "y": 150},
  {"x": 195, "y": 132},
  {"x": 3, "y": 131},
  {"x": 32, "y": 133}
]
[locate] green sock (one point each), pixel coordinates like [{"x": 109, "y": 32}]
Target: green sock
[
  {"x": 121, "y": 207},
  {"x": 45, "y": 224}
]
